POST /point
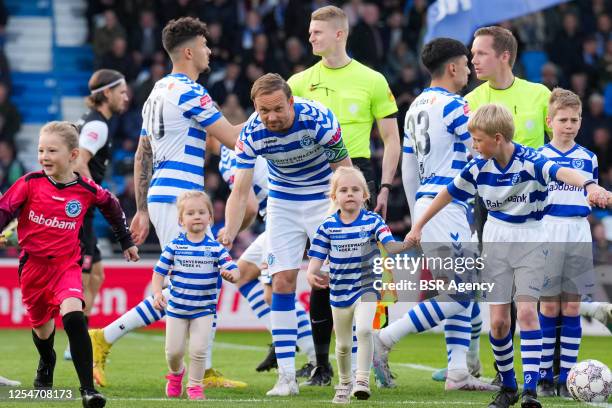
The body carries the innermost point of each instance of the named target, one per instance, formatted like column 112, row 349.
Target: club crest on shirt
column 271, row 259
column 516, row 179
column 307, row 142
column 363, row 233
column 578, row 164
column 73, row 208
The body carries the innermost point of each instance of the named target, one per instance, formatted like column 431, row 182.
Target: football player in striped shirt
column 571, row 270
column 349, row 238
column 254, row 284
column 177, row 117
column 512, row 180
column 436, row 143
column 194, row 261
column 302, row 143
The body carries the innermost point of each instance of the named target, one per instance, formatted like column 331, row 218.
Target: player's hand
column 159, row 302
column 414, row 237
column 381, row 202
column 598, row 196
column 131, row 254
column 230, row 276
column 140, row 227
column 225, row 239
column 317, row 280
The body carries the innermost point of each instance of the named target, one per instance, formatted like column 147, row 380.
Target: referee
column 358, row 96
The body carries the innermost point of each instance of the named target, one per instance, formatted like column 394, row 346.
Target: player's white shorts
column 164, row 217
column 515, row 257
column 570, row 266
column 447, row 234
column 289, row 224
column 256, row 252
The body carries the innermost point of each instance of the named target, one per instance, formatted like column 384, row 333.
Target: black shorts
column 365, row 165
column 89, row 242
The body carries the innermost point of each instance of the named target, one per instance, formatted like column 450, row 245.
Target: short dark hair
column 100, row 78
column 176, row 32
column 437, row 53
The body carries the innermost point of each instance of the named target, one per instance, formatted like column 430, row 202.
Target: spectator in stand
column 10, row 119
column 399, row 57
column 10, row 167
column 142, row 91
column 232, row 83
column 295, row 55
column 120, row 60
column 220, row 45
column 603, row 33
column 605, row 66
column 393, row 31
column 173, row 9
column 250, row 30
column 365, row 43
column 590, row 58
column 565, row 48
column 105, row 35
column 593, row 117
column 262, row 54
column 232, row 110
column 550, row 75
column 602, row 147
column 145, row 39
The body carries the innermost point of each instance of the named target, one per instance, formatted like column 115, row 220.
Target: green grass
column 137, row 367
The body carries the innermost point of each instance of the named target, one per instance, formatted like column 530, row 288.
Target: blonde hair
column 491, row 119
column 331, row 14
column 187, row 195
column 66, row 130
column 335, row 179
column 561, row 99
column 503, row 40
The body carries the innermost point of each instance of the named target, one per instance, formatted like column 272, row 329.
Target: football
column 590, row 381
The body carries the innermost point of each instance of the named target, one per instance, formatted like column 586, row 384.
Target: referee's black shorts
column 89, row 242
column 365, row 165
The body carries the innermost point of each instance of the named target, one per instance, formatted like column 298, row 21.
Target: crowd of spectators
column 249, row 38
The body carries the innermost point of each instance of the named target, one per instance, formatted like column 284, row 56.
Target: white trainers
column 8, row 383
column 460, row 380
column 380, row 363
column 361, row 390
column 343, row 394
column 603, row 313
column 285, row 385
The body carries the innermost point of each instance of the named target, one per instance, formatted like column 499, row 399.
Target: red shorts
column 46, row 282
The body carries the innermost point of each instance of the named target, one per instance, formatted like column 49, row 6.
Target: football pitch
column 137, row 367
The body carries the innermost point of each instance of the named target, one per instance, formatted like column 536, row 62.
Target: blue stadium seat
column 608, row 99
column 532, row 62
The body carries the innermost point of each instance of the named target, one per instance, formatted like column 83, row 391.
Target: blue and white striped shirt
column 174, row 118
column 227, row 168
column 514, row 194
column 565, row 200
column 298, row 162
column 351, row 249
column 194, row 274
column 435, row 131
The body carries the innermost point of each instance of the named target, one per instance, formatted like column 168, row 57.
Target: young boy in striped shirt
column 512, row 180
column 571, row 270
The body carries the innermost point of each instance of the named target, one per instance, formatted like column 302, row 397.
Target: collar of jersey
column 437, row 89
column 62, row 185
column 206, row 237
column 505, row 169
column 337, row 216
column 559, row 152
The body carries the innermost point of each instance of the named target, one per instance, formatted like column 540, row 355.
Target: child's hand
column 131, row 254
column 598, row 196
column 414, row 237
column 159, row 302
column 230, row 276
column 318, row 281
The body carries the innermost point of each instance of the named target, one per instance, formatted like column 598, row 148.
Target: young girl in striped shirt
column 194, row 261
column 348, row 238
